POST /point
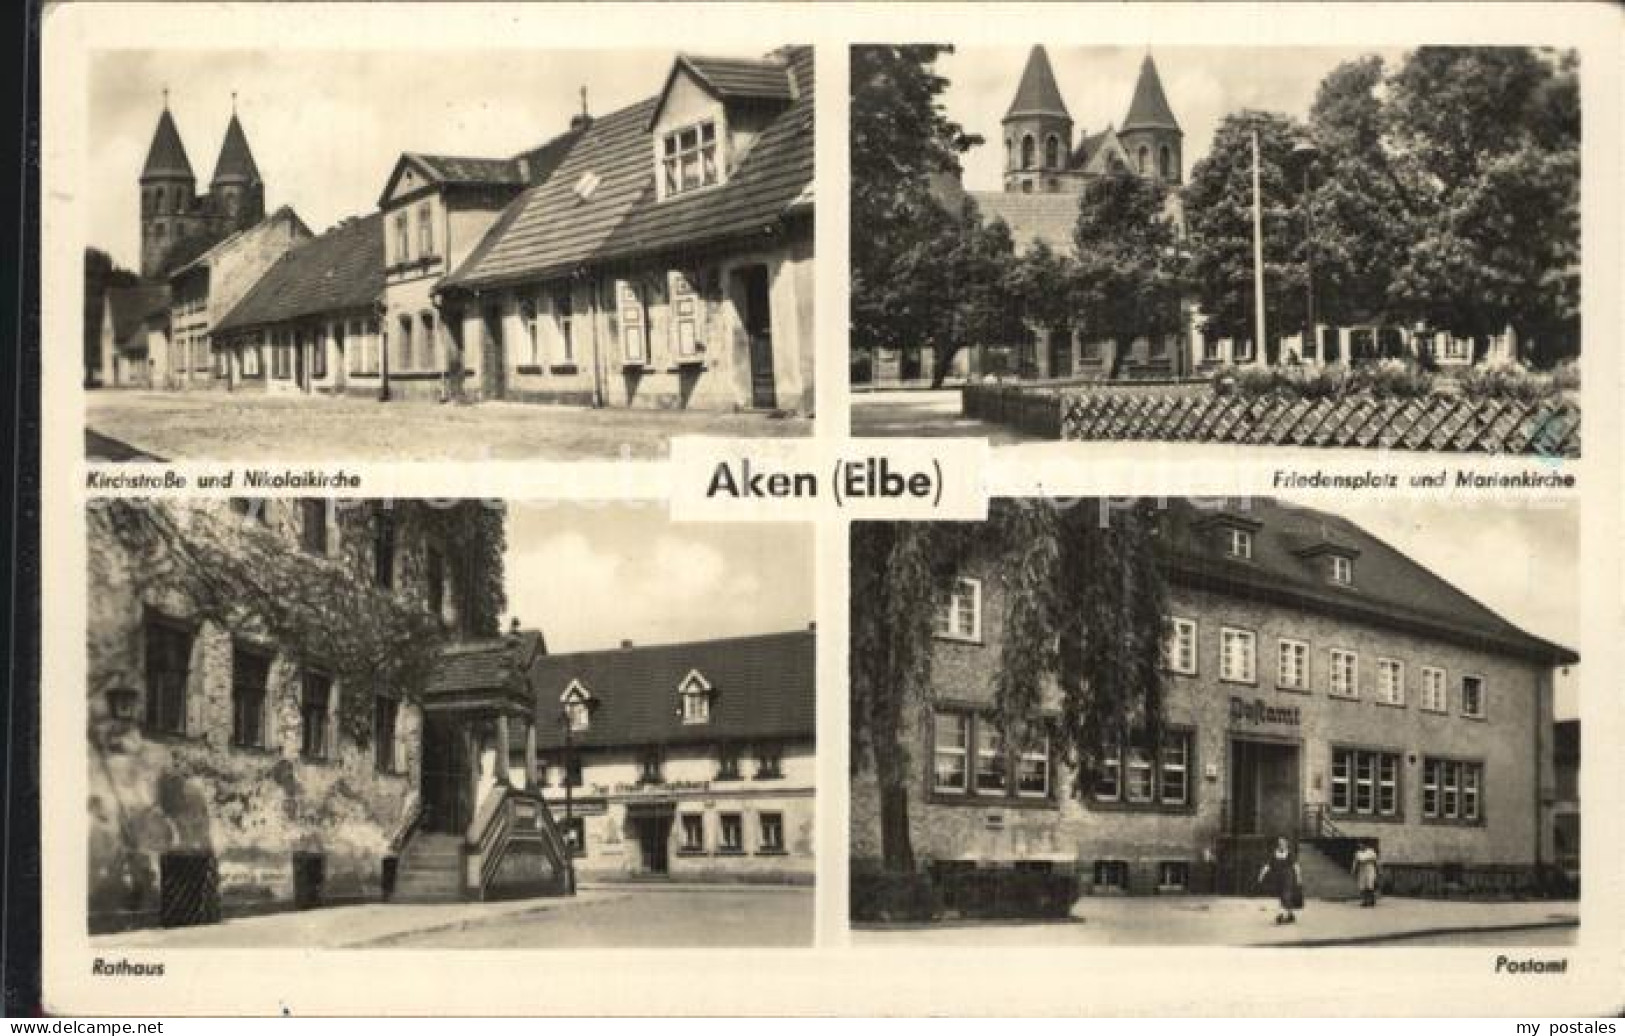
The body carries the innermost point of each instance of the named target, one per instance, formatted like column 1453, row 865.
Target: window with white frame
column 731, row 833
column 949, row 758
column 1342, row 570
column 1433, row 693
column 533, row 338
column 425, row 230
column 403, row 238
column 564, row 316
column 1345, row 674
column 1181, row 647
column 1238, row 655
column 1135, row 775
column 1238, row 543
column 688, row 158
column 1472, row 696
column 1173, row 876
column 1365, row 782
column 991, row 774
column 1452, row 789
column 577, row 707
column 693, row 832
column 770, row 832
column 1032, row 775
column 1390, row 681
column 1292, row 670
column 961, row 615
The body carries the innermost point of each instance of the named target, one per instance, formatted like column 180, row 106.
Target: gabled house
column 205, row 288
column 692, row 761
column 133, row 337
column 665, row 262
column 311, row 323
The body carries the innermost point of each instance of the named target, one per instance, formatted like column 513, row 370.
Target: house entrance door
column 444, row 788
column 1264, row 789
column 756, row 314
column 493, row 358
column 654, row 834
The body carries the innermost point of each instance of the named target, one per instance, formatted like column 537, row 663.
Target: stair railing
column 509, row 816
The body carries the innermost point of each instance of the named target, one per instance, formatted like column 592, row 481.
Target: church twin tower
column 1039, row 155
column 174, row 214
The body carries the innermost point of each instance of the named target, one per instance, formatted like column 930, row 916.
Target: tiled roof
column 461, row 169
column 188, row 249
column 731, row 78
column 482, row 665
column 1032, row 217
column 341, row 270
column 1389, row 588
column 1149, row 109
column 221, row 239
column 550, row 228
column 236, row 162
column 538, row 163
column 763, row 686
column 131, row 306
column 1037, row 93
column 167, row 155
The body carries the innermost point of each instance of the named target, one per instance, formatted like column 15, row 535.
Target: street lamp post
column 569, row 801
column 1258, row 258
column 1305, row 153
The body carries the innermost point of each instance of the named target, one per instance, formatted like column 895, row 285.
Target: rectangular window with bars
column 1433, row 692
column 1292, row 671
column 1472, row 697
column 1365, row 782
column 1138, row 776
column 689, row 158
column 1238, row 661
column 1181, row 648
column 1452, row 789
column 1390, row 681
column 1345, row 674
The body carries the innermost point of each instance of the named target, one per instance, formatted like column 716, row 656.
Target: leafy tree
column 1127, row 278
column 102, row 272
column 1218, row 203
column 1041, row 284
column 925, row 270
column 1491, row 135
column 1085, row 613
column 1360, row 209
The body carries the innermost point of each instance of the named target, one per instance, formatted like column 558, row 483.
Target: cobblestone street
column 198, row 426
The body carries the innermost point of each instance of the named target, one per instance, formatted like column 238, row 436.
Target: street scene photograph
column 1244, row 722
column 549, row 255
column 321, row 723
column 1294, row 250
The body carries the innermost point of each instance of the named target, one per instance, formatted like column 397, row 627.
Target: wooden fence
column 1437, row 423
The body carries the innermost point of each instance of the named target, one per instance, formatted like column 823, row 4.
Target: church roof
column 341, row 270
column 1037, row 94
column 167, row 155
column 1047, row 217
column 1149, row 108
column 236, row 162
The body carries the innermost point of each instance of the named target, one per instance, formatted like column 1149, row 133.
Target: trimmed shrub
column 886, row 896
column 1392, row 379
column 988, row 893
column 1508, row 381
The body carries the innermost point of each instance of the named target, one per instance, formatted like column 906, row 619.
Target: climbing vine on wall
column 327, row 611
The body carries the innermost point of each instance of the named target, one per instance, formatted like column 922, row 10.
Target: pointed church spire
column 236, row 162
column 1149, row 109
column 166, row 158
column 1037, row 94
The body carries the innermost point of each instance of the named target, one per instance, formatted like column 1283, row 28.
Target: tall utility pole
column 1258, row 260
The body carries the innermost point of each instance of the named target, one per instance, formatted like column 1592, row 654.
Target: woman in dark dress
column 1281, row 876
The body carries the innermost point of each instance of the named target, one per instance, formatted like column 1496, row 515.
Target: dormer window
column 576, row 702
column 1239, row 544
column 689, row 158
column 1342, row 570
column 694, row 695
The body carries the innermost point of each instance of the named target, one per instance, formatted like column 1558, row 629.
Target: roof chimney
column 625, row 644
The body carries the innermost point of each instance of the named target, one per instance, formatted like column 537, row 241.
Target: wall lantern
column 122, row 701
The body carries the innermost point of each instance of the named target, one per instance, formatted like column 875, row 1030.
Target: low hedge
column 981, row 893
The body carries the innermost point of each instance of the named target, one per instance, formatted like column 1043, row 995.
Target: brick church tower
column 1037, row 130
column 173, row 212
column 1151, row 135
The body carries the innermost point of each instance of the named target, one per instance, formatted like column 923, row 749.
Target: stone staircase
column 430, row 870
column 1323, row 876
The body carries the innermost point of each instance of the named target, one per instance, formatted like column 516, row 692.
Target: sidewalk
column 346, row 926
column 1225, row 921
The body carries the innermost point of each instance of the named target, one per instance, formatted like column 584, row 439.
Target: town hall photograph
column 321, row 723
column 1212, row 247
column 546, row 254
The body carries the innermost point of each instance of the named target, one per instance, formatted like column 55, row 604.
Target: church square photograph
column 546, row 254
column 377, row 723
column 1239, row 721
column 1083, row 250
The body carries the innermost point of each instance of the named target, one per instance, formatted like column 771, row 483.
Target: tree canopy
column 1128, row 278
column 1082, row 630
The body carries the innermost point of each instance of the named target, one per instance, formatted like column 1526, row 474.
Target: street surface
column 1227, row 921
column 627, row 916
column 208, row 425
